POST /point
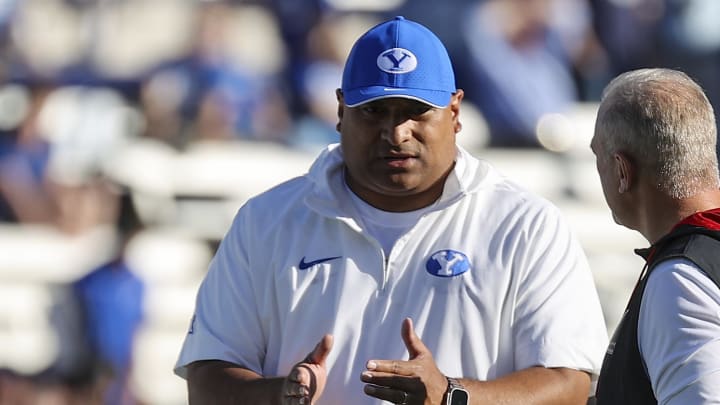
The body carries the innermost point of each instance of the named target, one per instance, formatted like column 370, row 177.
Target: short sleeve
column 225, row 325
column 558, row 318
column 679, row 334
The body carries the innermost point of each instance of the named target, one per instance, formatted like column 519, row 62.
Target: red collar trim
column 709, row 219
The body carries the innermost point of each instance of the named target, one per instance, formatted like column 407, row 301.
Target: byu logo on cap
column 397, row 60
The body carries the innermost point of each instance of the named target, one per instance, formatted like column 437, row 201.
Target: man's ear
column 625, row 172
column 341, row 104
column 455, row 102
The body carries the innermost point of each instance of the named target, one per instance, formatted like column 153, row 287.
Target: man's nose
column 397, row 130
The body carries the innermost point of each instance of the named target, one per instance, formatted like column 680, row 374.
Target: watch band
column 456, row 393
column 454, row 383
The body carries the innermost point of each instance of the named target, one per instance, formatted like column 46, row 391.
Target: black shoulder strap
column 700, row 246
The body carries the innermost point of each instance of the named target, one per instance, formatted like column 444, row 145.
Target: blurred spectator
column 84, row 126
column 111, row 302
column 296, row 19
column 662, row 33
column 53, row 143
column 320, row 73
column 629, row 32
column 675, row 34
column 522, row 57
column 26, row 193
column 227, row 86
column 691, row 43
column 96, row 321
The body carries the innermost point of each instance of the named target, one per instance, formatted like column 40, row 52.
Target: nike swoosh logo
column 306, row 265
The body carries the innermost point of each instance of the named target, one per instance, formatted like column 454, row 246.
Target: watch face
column 458, row 397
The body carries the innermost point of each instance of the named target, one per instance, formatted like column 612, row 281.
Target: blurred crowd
column 80, row 79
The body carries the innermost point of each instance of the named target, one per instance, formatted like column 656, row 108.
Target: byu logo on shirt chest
column 447, row 263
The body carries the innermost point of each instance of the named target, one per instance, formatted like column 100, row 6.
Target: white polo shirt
column 492, row 277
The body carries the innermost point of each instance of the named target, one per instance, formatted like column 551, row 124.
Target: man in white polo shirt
column 417, row 273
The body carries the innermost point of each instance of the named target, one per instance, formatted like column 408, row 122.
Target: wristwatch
column 456, row 394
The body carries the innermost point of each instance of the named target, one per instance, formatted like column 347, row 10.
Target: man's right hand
column 306, row 381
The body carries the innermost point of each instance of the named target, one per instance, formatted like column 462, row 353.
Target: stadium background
column 136, row 128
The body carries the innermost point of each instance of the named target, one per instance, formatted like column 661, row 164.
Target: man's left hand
column 417, row 381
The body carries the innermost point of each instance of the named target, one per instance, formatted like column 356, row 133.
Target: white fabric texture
column 679, row 334
column 386, row 227
column 527, row 299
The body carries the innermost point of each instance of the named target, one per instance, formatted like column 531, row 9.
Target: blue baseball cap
column 398, row 58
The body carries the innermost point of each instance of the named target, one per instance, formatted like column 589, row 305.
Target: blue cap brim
column 435, row 98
